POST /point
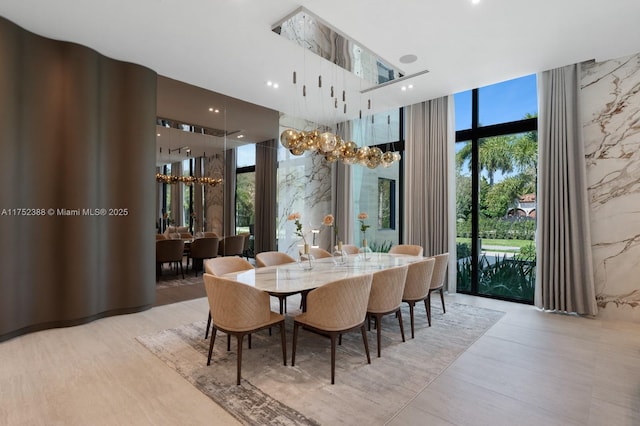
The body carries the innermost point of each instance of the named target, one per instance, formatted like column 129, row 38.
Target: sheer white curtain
column 428, row 135
column 564, row 265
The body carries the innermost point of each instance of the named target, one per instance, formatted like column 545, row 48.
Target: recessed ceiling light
column 475, row 1
column 269, row 83
column 408, row 59
column 210, row 109
column 404, row 88
column 275, row 85
column 157, row 134
column 240, row 136
column 411, row 86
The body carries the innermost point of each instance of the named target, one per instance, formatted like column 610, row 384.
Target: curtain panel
column 266, row 192
column 229, row 209
column 564, row 268
column 426, row 213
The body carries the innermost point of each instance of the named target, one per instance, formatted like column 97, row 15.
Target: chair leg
column 206, row 333
column 366, row 343
column 249, row 341
column 401, row 324
column 378, row 333
column 333, row 358
column 427, row 305
column 444, row 311
column 284, row 343
column 295, row 341
column 411, row 306
column 228, row 342
column 239, row 362
column 213, row 339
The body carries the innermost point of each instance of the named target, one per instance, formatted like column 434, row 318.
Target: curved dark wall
column 77, row 131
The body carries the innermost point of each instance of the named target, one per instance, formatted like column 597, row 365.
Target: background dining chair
column 334, row 309
column 410, row 249
column 350, row 249
column 201, row 249
column 437, row 281
column 386, row 298
column 318, row 253
column 231, row 245
column 211, row 235
column 416, row 287
column 240, row 310
column 161, row 237
column 170, row 251
column 272, row 258
column 220, row 266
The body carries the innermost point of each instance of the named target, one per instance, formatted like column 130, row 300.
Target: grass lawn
column 498, row 242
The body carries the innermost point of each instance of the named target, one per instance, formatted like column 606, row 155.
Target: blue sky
column 498, row 103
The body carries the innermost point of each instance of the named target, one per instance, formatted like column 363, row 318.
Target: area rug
column 274, row 394
column 174, row 280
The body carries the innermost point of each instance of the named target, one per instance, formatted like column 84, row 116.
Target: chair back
column 235, row 306
column 350, row 249
column 231, row 245
column 439, row 270
column 270, row 258
column 169, row 250
column 410, row 249
column 418, row 280
column 245, row 245
column 318, row 253
column 339, row 305
column 186, row 235
column 386, row 289
column 204, row 248
column 210, row 235
column 161, row 237
column 226, row 265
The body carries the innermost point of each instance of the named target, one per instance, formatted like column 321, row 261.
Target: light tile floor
column 530, row 368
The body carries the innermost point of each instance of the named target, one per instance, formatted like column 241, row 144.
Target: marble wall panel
column 304, row 186
column 611, row 116
column 214, row 195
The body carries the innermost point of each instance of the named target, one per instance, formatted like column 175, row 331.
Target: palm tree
column 494, row 155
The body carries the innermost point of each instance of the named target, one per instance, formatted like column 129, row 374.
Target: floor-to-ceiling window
column 245, row 190
column 496, row 169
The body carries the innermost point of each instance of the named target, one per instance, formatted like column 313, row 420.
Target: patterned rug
column 170, row 279
column 271, row 393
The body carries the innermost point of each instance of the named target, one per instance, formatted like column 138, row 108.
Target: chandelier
column 333, row 148
column 187, row 180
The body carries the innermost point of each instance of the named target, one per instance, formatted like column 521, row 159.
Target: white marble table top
column 292, row 278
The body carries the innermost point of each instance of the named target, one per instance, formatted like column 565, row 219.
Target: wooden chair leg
column 284, row 343
column 228, row 342
column 213, row 339
column 333, row 358
column 427, row 305
column 401, row 324
column 295, row 340
column 239, row 362
column 206, row 332
column 411, row 306
column 378, row 333
column 366, row 343
column 444, row 311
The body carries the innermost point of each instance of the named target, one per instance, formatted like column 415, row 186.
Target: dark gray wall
column 77, row 131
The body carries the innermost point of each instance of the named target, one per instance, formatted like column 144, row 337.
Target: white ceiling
column 227, row 46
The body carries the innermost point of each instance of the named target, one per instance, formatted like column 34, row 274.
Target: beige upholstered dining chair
column 220, row 266
column 211, row 235
column 231, row 245
column 318, row 253
column 386, row 298
column 240, row 310
column 410, row 249
column 201, row 249
column 272, row 258
column 437, row 281
column 350, row 249
column 161, row 237
column 169, row 251
column 334, row 309
column 416, row 288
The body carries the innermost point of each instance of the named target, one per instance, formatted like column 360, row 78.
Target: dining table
column 292, row 278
